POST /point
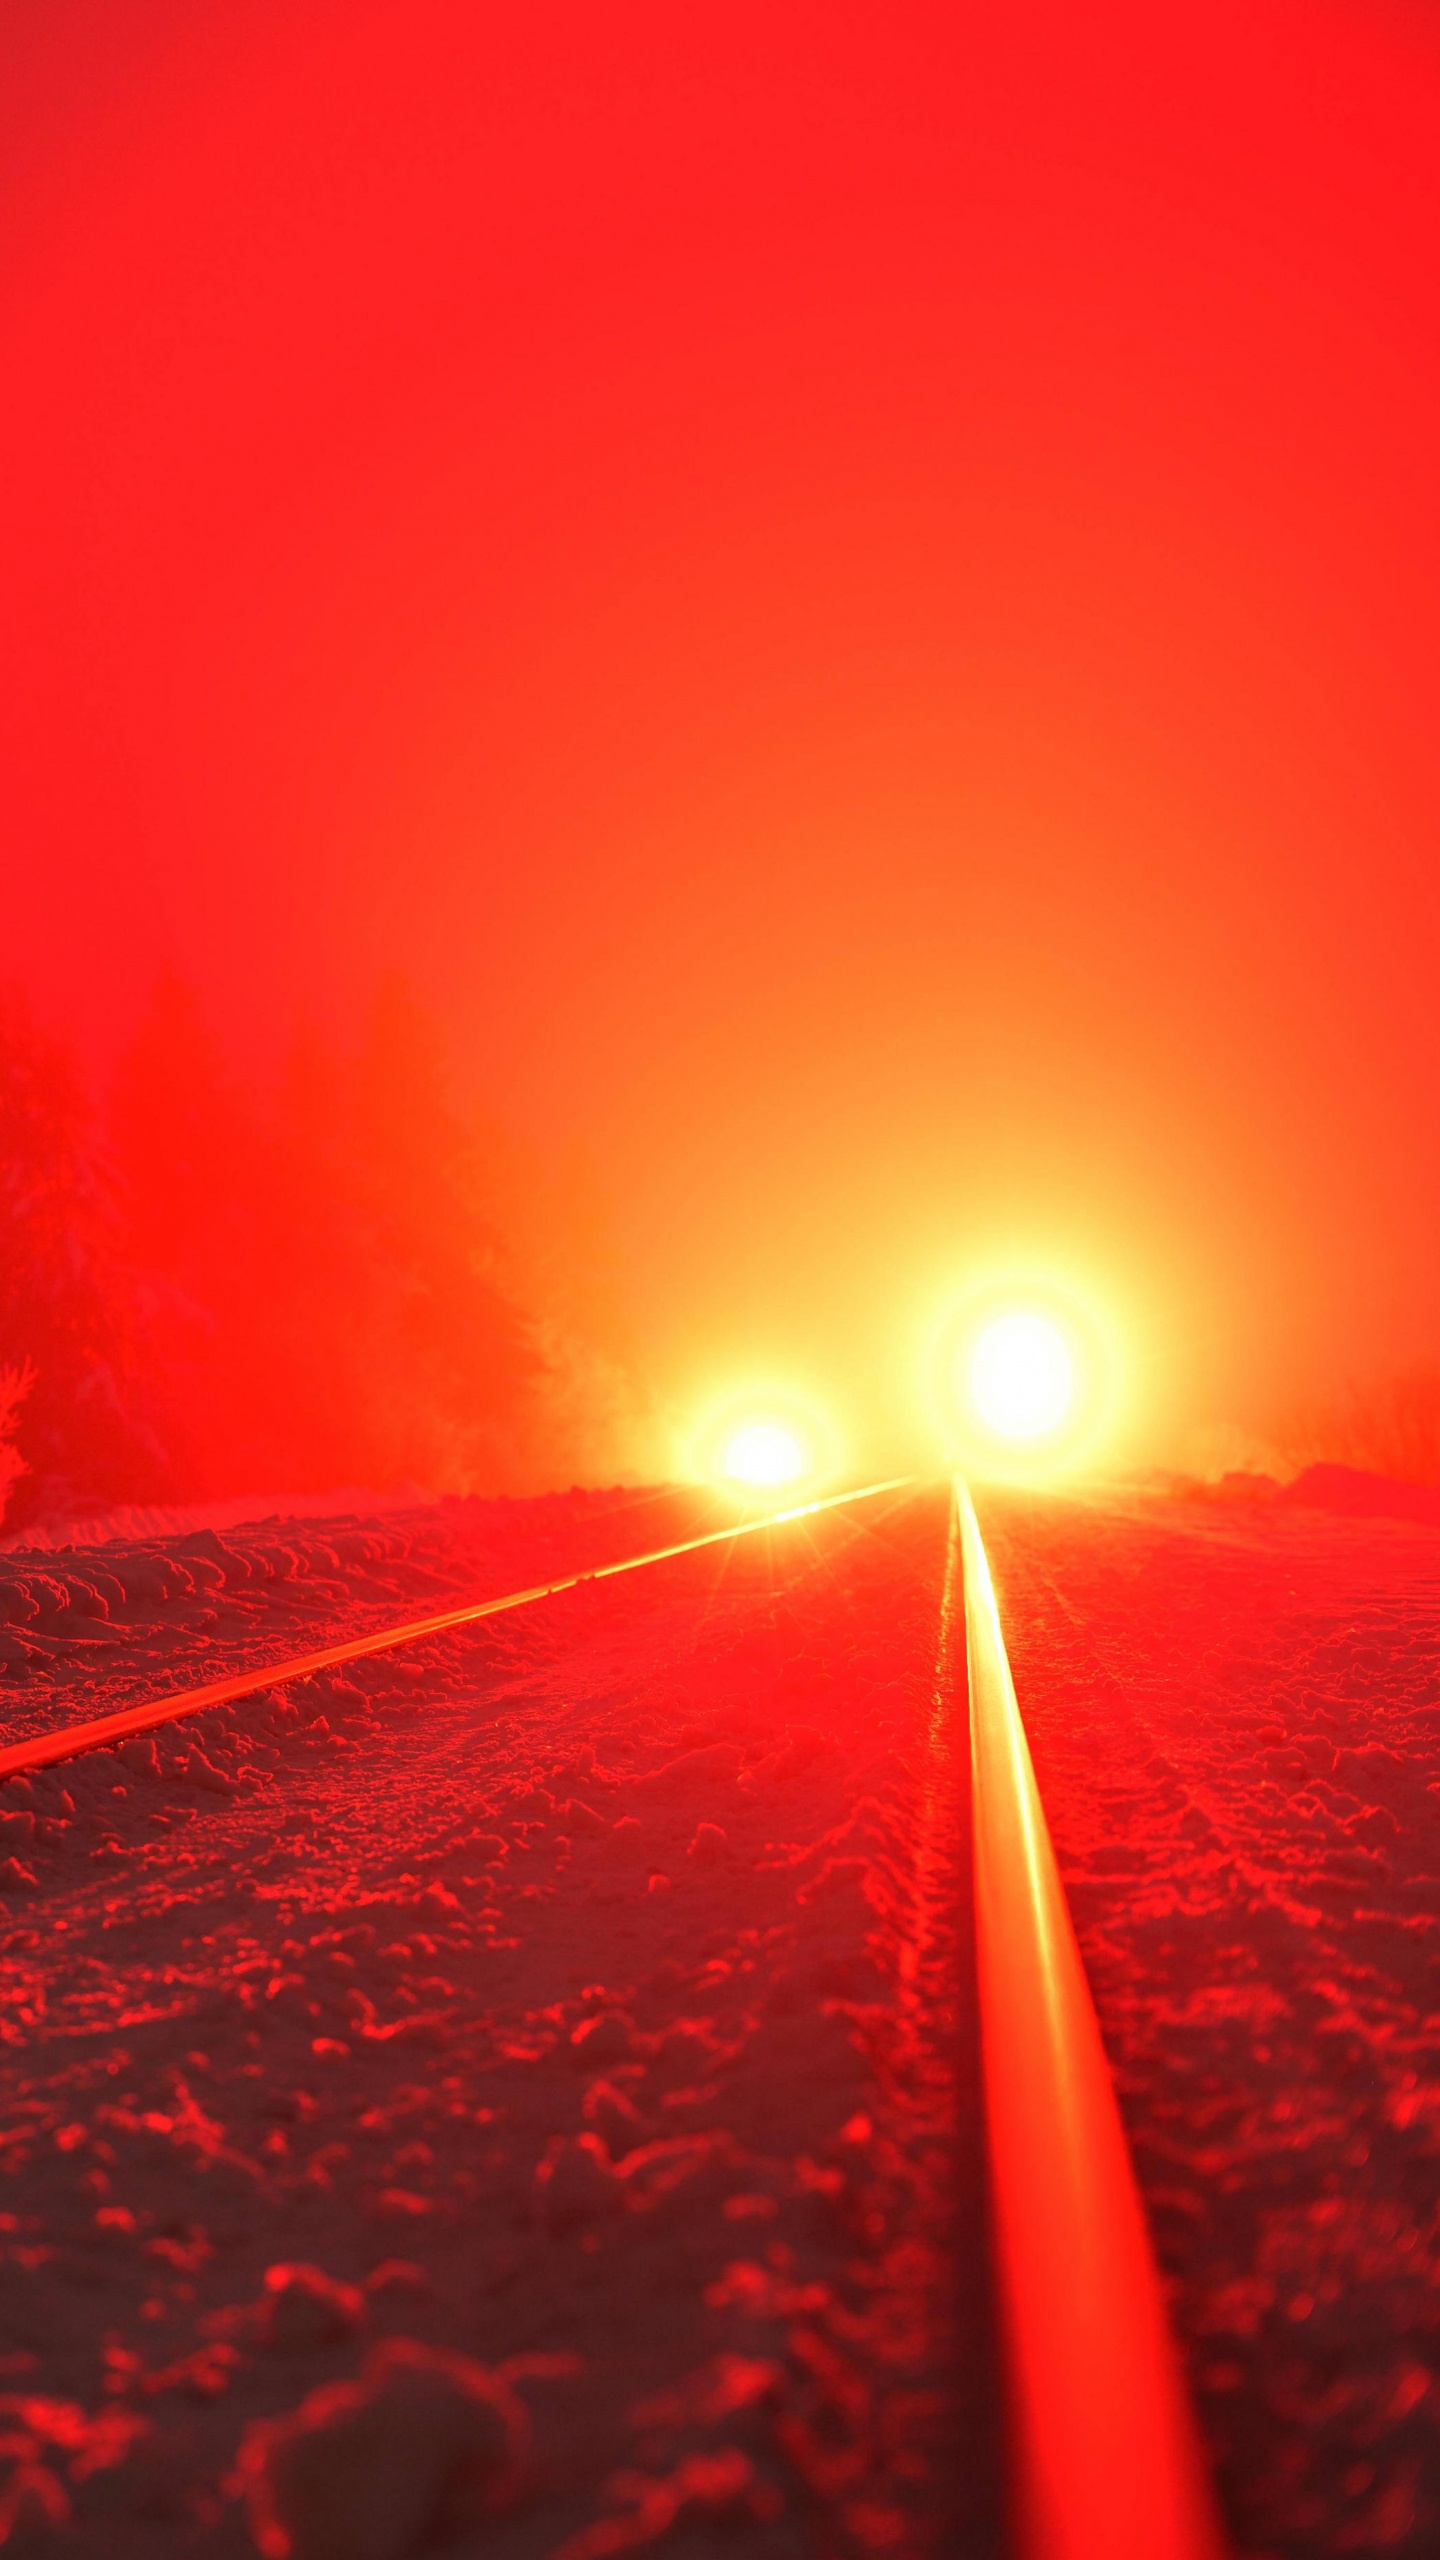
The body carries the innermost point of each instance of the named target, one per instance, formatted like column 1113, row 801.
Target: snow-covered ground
column 551, row 2042
column 134, row 1524
column 1234, row 1711
column 86, row 1630
column 502, row 2098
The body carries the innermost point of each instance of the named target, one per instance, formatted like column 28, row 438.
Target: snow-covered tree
column 68, row 1314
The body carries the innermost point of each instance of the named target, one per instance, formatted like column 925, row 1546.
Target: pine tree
column 15, row 1385
column 184, row 1146
column 69, row 1313
column 331, row 1301
column 456, row 1384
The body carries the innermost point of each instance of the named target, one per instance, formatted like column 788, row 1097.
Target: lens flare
column 764, row 1453
column 1026, row 1367
column 1022, row 1376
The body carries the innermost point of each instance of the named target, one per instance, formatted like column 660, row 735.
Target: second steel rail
column 45, row 1750
column 1104, row 2459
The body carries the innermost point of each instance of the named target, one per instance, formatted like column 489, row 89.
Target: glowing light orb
column 1022, row 1377
column 764, row 1453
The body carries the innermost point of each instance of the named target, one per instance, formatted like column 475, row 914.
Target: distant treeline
column 1388, row 1425
column 345, row 1279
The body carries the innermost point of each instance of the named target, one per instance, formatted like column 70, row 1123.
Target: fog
column 850, row 599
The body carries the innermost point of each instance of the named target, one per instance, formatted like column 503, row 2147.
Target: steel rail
column 1105, row 2457
column 44, row 1750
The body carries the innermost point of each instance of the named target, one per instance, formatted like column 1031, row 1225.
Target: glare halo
column 1022, row 1376
column 761, row 1440
column 764, row 1455
column 1087, row 1310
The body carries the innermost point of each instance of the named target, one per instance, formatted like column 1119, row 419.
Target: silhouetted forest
column 1389, row 1425
column 208, row 1288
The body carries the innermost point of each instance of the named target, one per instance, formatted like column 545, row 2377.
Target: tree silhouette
column 68, row 1313
column 286, row 1292
column 15, row 1385
column 332, row 1302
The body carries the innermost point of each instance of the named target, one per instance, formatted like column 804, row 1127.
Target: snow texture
column 499, row 2099
column 1234, row 1713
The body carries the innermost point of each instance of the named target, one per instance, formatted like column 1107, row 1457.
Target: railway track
column 1103, row 2457
column 49, row 1750
column 1106, row 2457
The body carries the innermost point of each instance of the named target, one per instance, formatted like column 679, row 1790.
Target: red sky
column 852, row 592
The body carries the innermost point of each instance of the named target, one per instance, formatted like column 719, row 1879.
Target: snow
column 91, row 1630
column 530, row 2032
column 1232, row 1711
column 569, row 2018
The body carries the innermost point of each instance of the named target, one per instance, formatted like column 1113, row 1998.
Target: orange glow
column 848, row 594
column 1025, row 1374
column 1022, row 1376
column 761, row 1438
column 765, row 1454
